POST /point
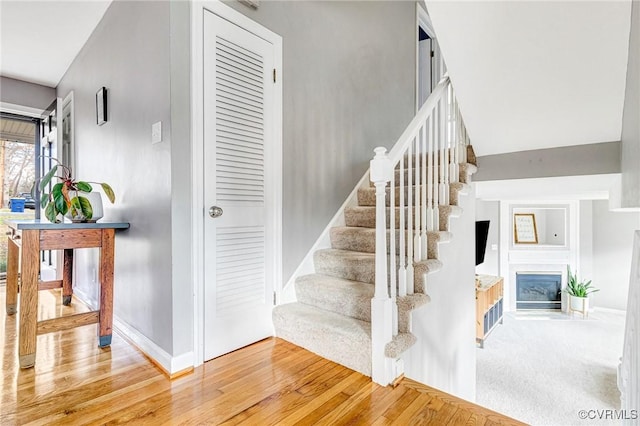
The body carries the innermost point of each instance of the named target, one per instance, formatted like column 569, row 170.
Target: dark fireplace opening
column 538, row 291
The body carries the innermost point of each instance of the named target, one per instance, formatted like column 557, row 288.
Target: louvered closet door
column 238, row 138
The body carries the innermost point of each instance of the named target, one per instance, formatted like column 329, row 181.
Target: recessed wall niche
column 550, row 223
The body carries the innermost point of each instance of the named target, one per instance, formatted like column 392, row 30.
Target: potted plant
column 71, row 197
column 578, row 291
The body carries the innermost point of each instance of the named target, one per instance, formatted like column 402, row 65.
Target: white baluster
column 436, row 167
column 417, row 201
column 423, row 198
column 410, row 220
column 393, row 269
column 453, row 163
column 402, row 229
column 442, row 136
column 430, row 211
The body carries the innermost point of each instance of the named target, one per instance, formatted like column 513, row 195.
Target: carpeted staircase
column 333, row 312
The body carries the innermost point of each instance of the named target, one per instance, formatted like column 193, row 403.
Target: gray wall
column 31, row 95
column 630, row 121
column 181, row 224
column 490, row 210
column 612, row 251
column 590, row 159
column 128, row 53
column 349, row 77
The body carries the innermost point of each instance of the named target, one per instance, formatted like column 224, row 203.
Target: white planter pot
column 95, row 199
column 580, row 304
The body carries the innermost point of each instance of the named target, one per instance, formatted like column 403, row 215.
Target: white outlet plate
column 156, row 132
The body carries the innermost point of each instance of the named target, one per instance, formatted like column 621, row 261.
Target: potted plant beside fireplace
column 578, row 291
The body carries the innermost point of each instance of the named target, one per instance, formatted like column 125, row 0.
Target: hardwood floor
column 270, row 382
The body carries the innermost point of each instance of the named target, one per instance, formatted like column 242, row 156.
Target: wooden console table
column 34, row 236
column 489, row 305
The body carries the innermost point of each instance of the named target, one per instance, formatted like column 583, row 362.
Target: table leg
column 13, row 257
column 29, row 297
column 67, row 277
column 106, row 287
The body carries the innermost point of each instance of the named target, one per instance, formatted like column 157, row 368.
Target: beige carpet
column 543, row 368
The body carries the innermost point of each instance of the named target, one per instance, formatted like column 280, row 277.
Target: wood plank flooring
column 270, row 382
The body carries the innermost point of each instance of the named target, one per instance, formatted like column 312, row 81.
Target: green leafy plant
column 64, row 196
column 577, row 287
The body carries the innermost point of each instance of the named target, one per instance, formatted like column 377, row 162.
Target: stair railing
column 418, row 169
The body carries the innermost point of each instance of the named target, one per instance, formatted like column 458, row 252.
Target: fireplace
column 539, row 290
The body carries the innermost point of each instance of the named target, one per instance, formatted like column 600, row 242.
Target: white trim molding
column 171, row 364
column 21, row 110
column 197, row 151
column 629, row 370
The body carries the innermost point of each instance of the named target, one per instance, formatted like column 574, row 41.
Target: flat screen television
column 482, row 232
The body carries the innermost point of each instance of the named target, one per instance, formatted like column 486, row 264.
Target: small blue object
column 17, row 205
column 104, row 341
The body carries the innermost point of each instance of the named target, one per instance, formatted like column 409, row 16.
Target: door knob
column 215, row 211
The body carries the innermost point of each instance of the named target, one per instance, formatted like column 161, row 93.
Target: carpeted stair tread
column 358, row 266
column 350, row 265
column 457, row 189
column 333, row 312
column 406, row 304
column 345, row 297
column 365, row 216
column 424, row 267
column 364, row 240
column 466, row 170
column 446, row 213
column 367, row 196
column 338, row 338
column 400, row 343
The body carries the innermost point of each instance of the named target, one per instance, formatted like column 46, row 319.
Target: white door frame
column 197, row 153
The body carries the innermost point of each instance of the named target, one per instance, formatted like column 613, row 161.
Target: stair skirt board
column 335, row 284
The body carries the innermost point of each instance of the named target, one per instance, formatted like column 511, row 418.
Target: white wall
column 585, row 243
column 445, row 355
column 612, row 251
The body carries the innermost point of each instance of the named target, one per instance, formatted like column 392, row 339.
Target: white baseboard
column 324, row 241
column 609, row 310
column 171, row 364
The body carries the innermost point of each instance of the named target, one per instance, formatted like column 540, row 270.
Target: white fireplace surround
column 552, row 259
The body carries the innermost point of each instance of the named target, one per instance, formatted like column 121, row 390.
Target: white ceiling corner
column 536, row 74
column 40, row 39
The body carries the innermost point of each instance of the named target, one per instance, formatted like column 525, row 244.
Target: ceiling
column 40, row 39
column 17, row 131
column 536, row 74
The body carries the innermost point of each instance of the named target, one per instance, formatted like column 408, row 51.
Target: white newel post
column 381, row 305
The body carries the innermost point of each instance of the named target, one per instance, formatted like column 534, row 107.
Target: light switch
column 494, row 247
column 156, row 132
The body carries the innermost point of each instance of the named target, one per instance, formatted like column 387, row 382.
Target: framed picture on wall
column 524, row 228
column 101, row 106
